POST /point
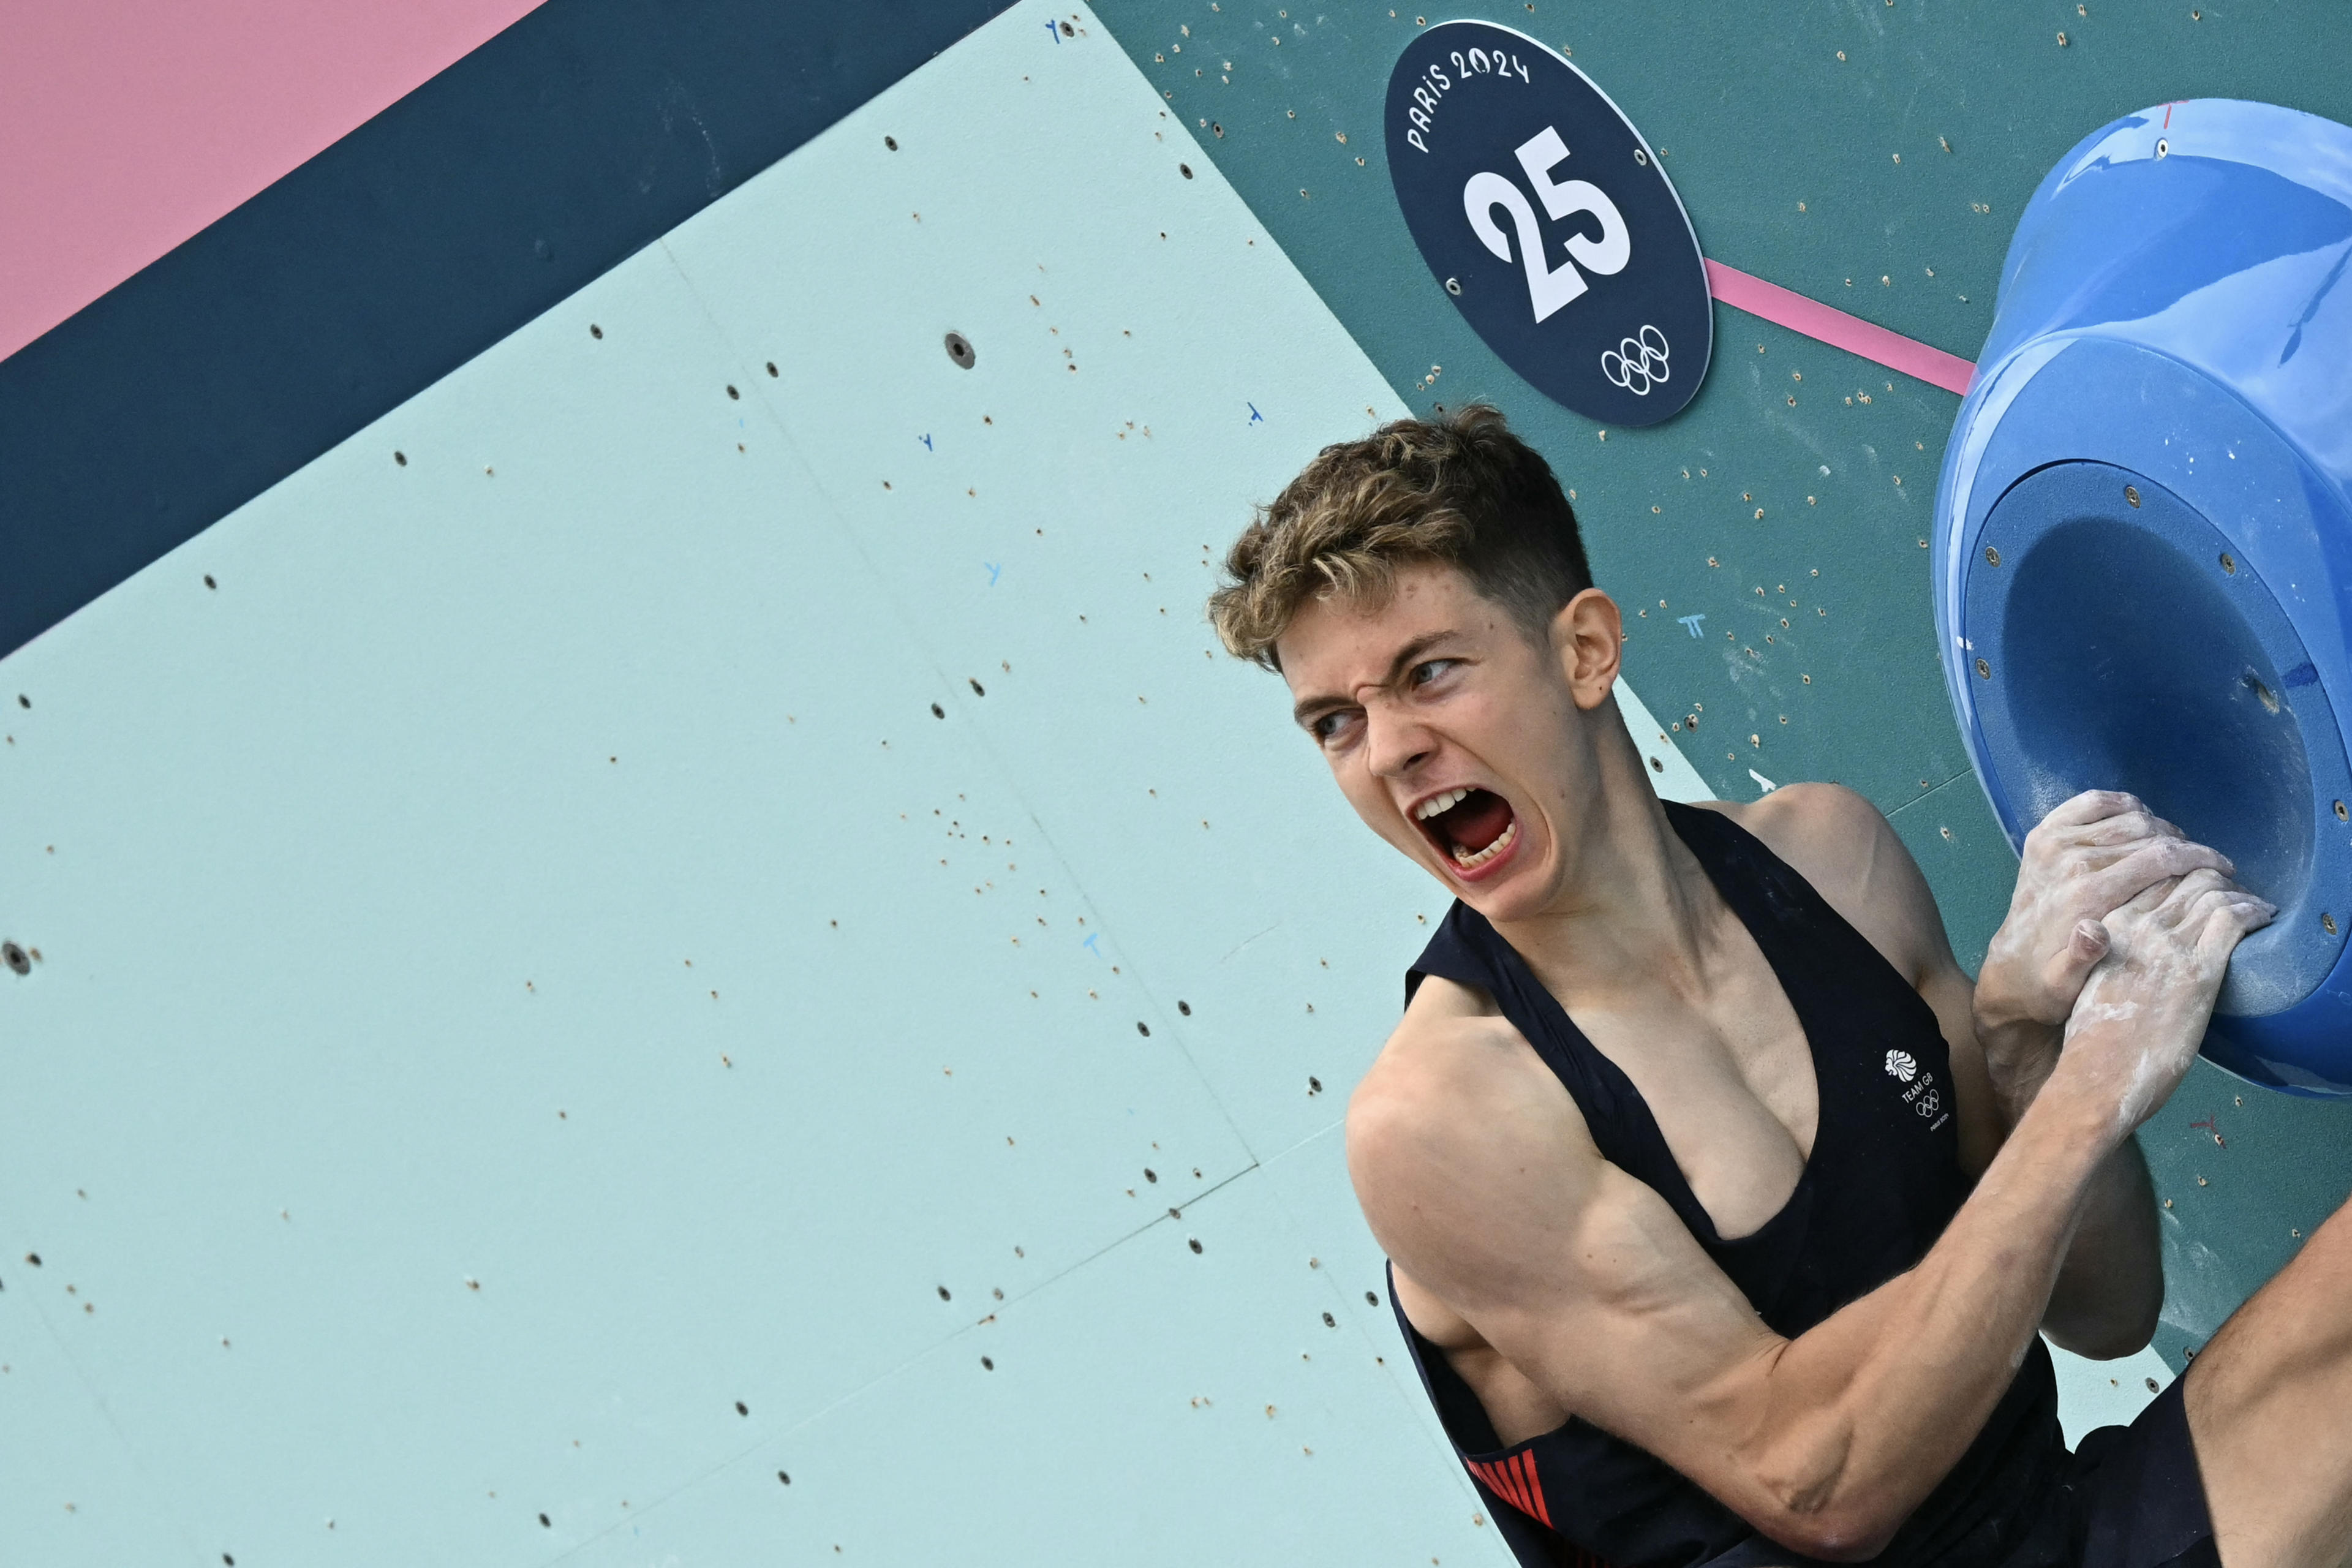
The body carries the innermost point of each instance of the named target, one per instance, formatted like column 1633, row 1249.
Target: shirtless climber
column 1726, row 1214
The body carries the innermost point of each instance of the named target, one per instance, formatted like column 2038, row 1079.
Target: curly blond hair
column 1461, row 490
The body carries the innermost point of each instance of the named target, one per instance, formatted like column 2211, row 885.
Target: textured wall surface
column 706, row 858
column 680, row 950
column 1875, row 157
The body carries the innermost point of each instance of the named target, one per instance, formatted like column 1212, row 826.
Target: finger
column 2082, row 861
column 2144, row 901
column 2228, row 926
column 2220, row 921
column 2194, row 895
column 2090, row 807
column 2160, row 861
column 2065, row 972
column 2248, row 910
column 2124, row 827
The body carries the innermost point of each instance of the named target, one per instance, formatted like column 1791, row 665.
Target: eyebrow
column 1406, row 656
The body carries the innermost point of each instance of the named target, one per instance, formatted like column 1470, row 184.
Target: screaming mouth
column 1471, row 826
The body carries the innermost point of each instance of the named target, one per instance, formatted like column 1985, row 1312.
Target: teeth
column 1469, row 862
column 1444, row 801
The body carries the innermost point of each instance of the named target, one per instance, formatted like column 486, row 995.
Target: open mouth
column 1473, row 826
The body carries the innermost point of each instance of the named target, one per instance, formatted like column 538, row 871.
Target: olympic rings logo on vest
column 1637, row 361
column 1548, row 222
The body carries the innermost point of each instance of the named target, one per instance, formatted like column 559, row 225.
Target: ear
column 1586, row 637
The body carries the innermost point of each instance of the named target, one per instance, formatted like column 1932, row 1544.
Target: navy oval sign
column 1547, row 217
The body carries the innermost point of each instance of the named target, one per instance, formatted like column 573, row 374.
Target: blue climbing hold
column 2143, row 551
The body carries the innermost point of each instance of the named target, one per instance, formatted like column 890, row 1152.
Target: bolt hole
column 1193, row 1242
column 961, row 350
column 2228, row 564
column 16, row 958
column 1992, row 556
column 1186, row 1007
column 937, row 711
column 741, row 1408
column 2327, row 922
column 891, row 142
column 1641, row 157
column 1143, row 1028
column 1453, row 287
column 1984, row 670
column 986, row 1364
column 2131, row 494
column 1185, row 169
column 2163, row 148
column 783, row 1479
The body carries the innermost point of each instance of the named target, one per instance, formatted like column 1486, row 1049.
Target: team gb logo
column 1902, row 1064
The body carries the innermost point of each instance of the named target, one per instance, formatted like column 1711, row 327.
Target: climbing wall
column 682, row 950
column 1873, row 157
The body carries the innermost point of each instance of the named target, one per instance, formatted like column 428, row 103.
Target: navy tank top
column 1884, row 1179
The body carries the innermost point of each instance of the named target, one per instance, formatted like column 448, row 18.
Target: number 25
column 1549, row 288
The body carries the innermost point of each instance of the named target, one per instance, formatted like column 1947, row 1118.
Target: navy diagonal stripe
column 572, row 140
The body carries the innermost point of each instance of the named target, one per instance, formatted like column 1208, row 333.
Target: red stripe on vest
column 1506, row 1484
column 1533, row 1486
column 1486, row 1473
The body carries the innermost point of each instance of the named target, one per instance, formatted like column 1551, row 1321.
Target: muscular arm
column 2110, row 1285
column 1583, row 1280
column 1479, row 1177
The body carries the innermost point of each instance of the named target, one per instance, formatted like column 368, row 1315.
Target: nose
column 1396, row 743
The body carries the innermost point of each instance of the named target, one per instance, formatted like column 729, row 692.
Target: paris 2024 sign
column 1547, row 219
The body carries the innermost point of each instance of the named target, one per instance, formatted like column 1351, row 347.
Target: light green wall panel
column 523, row 968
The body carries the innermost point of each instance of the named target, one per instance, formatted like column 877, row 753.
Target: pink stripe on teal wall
column 128, row 125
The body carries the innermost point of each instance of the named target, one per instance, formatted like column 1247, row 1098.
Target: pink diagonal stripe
column 1785, row 308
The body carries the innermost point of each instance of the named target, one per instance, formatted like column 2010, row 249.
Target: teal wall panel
column 1872, row 156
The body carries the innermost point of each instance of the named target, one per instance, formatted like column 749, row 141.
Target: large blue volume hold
column 2144, row 531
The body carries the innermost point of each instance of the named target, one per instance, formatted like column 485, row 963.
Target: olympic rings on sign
column 1640, row 362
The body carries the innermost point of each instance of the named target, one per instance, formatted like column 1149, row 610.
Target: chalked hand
column 2142, row 1012
column 2089, row 858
